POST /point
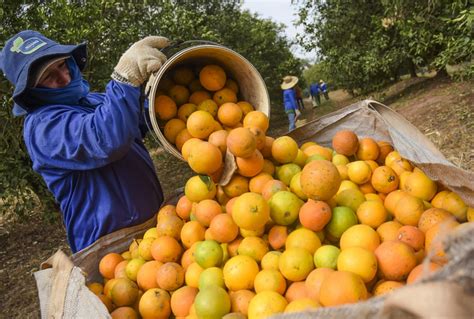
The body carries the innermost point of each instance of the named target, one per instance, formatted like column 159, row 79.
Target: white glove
column 140, row 60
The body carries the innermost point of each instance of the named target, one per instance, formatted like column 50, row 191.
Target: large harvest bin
column 448, row 293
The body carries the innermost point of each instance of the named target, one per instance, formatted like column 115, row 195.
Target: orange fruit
column 165, row 107
column 270, row 260
column 124, row 312
column 245, row 106
column 408, row 210
column 296, row 263
column 256, row 119
column 241, row 142
column 345, row 142
column 260, row 138
column 401, row 165
column 182, row 299
column 359, row 261
column 169, row 226
column 219, row 139
column 284, row 207
column 342, row 219
column 265, row 304
column 257, row 182
column 237, row 186
column 326, row 256
column 108, row 263
column 183, row 208
column 271, row 187
column 251, row 211
column 454, row 204
column 385, row 148
column 301, row 305
column 195, row 85
column 359, row 172
column 146, row 276
column 254, row 247
column 183, row 75
column 166, row 249
column 422, row 270
column 96, row 288
column 206, row 210
column 193, row 272
column 185, row 110
column 372, row 213
column 386, row 286
column 124, row 292
column 433, row 216
column 320, row 180
column 351, row 197
column 240, row 272
column 284, row 149
column 250, row 166
column 286, row 172
column 412, row 236
column 200, row 187
column 267, row 148
column 172, row 129
column 342, row 287
column 181, row 138
column 209, row 106
column 212, row 77
column 395, row 259
column 240, row 300
column 155, row 303
column 199, row 96
column 420, row 185
column 170, row 276
column 229, row 114
column 212, row 302
column 223, row 228
column 200, row 124
column 389, row 230
column 270, row 279
column 188, row 146
column 314, row 215
column 303, row 238
column 434, row 238
column 231, row 84
column 277, row 236
column 225, row 95
column 324, row 152
column 179, row 94
column 268, row 167
column 314, row 280
column 360, row 236
column 192, row 232
column 296, row 291
column 368, row 149
column 392, row 199
column 384, row 179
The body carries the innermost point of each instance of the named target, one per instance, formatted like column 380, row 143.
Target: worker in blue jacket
column 289, row 100
column 314, row 90
column 87, row 146
column 324, row 89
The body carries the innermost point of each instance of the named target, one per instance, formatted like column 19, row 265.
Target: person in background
column 299, row 98
column 324, row 89
column 314, row 90
column 87, row 146
column 289, row 99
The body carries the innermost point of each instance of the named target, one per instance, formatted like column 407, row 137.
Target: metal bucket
column 252, row 88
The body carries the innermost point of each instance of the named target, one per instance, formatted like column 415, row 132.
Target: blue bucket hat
column 27, row 50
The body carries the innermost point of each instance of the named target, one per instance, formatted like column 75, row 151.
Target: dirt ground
column 443, row 110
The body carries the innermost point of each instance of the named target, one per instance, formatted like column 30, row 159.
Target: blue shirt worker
column 314, row 90
column 289, row 99
column 324, row 89
column 87, row 146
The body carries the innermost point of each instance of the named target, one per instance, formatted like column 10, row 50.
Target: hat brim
column 78, row 52
column 289, row 85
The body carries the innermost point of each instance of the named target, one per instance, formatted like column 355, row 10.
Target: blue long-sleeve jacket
column 324, row 87
column 289, row 100
column 314, row 89
column 94, row 162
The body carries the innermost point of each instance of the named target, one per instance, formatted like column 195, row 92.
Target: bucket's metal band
column 178, row 44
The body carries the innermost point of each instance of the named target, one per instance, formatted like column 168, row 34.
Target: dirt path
column 441, row 109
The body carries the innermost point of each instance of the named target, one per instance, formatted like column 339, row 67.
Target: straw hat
column 289, row 81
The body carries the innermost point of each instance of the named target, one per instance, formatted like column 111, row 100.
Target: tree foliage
column 110, row 27
column 366, row 44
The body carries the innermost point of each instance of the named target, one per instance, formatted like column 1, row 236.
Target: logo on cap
column 27, row 47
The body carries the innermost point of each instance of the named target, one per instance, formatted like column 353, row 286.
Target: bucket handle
column 176, row 44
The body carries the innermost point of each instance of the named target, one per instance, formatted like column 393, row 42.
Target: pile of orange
column 202, row 105
column 297, row 227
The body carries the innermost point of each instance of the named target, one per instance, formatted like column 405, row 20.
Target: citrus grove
column 296, row 227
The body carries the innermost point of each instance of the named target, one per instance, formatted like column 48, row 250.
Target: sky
column 279, row 11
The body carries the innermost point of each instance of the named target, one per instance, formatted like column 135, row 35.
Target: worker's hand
column 140, row 60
